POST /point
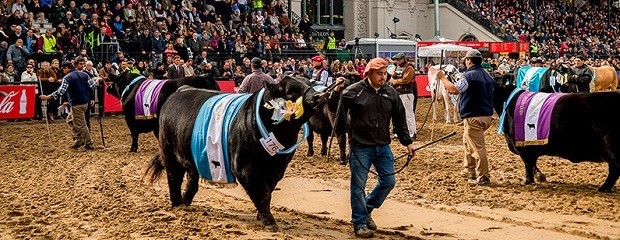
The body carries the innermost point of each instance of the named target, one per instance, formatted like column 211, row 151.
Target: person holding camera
column 403, row 82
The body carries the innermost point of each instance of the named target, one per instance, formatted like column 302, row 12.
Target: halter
column 263, row 131
column 134, row 81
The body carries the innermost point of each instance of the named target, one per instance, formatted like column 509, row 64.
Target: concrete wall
column 365, row 17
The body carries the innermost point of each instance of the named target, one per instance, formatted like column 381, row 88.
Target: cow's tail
column 154, row 169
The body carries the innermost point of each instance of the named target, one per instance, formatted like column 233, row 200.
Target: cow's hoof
column 133, row 150
column 604, row 189
column 310, row 154
column 324, row 153
column 343, row 162
column 528, row 182
column 272, row 228
column 540, row 177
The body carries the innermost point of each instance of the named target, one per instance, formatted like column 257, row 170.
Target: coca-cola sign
column 17, row 101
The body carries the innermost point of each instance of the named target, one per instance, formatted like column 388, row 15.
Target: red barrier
column 423, row 88
column 111, row 104
column 226, row 86
column 17, row 101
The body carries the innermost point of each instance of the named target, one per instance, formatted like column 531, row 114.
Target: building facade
column 363, row 18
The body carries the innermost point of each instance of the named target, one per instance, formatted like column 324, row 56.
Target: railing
column 473, row 15
column 296, row 19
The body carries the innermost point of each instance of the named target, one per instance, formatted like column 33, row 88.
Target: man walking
column 370, row 105
column 76, row 84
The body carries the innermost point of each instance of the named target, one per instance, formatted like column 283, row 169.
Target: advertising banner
column 17, row 101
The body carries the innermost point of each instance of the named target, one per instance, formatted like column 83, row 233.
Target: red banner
column 423, row 88
column 476, row 45
column 111, row 104
column 511, row 47
column 17, row 101
column 524, row 47
column 496, row 47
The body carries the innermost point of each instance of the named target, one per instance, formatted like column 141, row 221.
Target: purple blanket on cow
column 146, row 103
column 532, row 117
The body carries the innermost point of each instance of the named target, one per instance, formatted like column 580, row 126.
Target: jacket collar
column 366, row 83
column 475, row 66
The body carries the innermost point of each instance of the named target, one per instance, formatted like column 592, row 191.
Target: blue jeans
column 382, row 159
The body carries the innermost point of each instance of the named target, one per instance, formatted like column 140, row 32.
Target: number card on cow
column 271, row 144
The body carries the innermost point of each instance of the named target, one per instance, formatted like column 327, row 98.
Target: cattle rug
column 532, row 116
column 209, row 142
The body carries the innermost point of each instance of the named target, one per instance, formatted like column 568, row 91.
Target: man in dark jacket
column 77, row 85
column 369, row 105
column 582, row 76
column 476, row 108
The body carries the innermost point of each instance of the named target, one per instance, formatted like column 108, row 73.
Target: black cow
column 137, row 126
column 322, row 122
column 254, row 168
column 582, row 129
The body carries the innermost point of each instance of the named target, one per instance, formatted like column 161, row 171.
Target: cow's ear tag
column 271, row 144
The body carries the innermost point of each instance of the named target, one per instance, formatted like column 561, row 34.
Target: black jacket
column 369, row 112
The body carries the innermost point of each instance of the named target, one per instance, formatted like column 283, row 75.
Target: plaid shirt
column 64, row 85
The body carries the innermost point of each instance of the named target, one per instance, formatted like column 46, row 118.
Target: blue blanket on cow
column 529, row 78
column 209, row 142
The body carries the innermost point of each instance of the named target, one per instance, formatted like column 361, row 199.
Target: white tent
column 447, row 49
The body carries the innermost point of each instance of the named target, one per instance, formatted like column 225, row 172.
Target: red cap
column 318, row 58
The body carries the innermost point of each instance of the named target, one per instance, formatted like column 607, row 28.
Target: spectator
column 188, row 68
column 254, row 82
column 160, row 71
column 10, row 75
column 17, row 54
column 176, row 70
column 305, row 25
column 29, row 75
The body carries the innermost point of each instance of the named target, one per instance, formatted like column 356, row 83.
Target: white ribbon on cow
column 268, row 140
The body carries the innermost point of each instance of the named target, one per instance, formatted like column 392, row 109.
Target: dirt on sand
column 49, row 191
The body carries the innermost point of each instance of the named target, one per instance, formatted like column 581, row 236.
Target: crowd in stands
column 151, row 34
column 554, row 28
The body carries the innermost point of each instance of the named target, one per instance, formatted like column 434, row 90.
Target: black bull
column 137, row 126
column 324, row 120
column 256, row 170
column 583, row 128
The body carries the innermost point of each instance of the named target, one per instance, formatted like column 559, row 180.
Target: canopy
column 448, row 50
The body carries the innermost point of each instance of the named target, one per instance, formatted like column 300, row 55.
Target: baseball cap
column 473, row 54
